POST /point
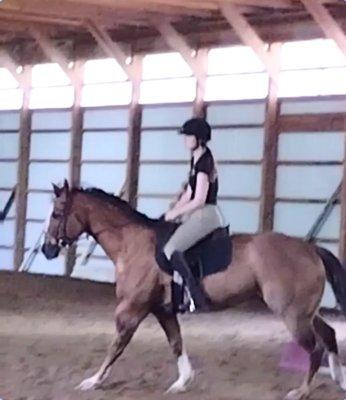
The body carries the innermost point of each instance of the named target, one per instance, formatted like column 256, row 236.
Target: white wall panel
column 6, row 259
column 297, row 218
column 316, row 182
column 237, row 144
column 8, row 174
column 108, row 177
column 48, row 267
column 7, row 233
column 9, row 120
column 176, row 90
column 106, row 118
column 311, row 146
column 41, row 175
column 153, row 207
column 239, row 180
column 105, row 146
column 236, row 87
column 4, row 196
column 163, row 116
column 9, row 145
column 236, row 114
column 51, row 120
column 50, row 146
column 153, row 180
column 163, row 145
column 312, row 106
column 242, row 216
column 39, row 205
column 32, row 233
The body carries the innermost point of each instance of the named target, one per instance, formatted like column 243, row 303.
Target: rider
column 196, row 208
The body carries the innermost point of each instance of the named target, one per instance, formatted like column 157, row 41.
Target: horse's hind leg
column 303, row 332
column 170, row 325
column 127, row 320
column 328, row 337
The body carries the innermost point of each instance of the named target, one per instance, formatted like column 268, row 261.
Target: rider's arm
column 184, row 198
column 202, row 187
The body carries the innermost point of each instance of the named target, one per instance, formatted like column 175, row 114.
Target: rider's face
column 190, row 142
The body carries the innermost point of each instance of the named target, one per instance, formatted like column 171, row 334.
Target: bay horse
column 288, row 273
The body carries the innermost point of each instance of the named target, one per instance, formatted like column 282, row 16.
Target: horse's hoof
column 177, row 387
column 89, row 384
column 181, row 386
column 296, row 394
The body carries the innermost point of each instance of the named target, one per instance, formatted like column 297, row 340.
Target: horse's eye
column 56, row 215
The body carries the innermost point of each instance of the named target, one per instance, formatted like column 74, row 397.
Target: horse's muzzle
column 50, row 250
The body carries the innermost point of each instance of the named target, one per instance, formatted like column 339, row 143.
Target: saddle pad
column 210, row 255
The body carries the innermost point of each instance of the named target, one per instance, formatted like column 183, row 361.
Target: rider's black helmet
column 197, row 127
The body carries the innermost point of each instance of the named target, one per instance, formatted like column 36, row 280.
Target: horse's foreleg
column 127, row 320
column 170, row 325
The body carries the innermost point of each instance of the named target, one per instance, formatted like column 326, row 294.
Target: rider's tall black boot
column 180, row 265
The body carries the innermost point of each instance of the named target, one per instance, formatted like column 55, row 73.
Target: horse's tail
column 336, row 275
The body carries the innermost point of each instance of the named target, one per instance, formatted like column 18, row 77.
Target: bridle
column 63, row 240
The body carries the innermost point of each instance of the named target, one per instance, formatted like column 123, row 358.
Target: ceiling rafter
column 327, row 23
column 249, row 36
column 7, row 62
column 51, row 51
column 111, row 48
column 178, row 43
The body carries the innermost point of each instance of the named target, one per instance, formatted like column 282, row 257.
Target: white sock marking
column 336, row 370
column 186, row 374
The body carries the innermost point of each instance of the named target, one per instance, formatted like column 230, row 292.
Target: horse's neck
column 114, row 231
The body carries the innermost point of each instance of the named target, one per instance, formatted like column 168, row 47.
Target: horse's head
column 64, row 226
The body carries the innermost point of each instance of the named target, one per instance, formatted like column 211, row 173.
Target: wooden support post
column 271, row 139
column 342, row 244
column 76, row 147
column 23, row 170
column 199, row 107
column 134, row 135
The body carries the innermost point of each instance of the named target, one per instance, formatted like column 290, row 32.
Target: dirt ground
column 54, row 332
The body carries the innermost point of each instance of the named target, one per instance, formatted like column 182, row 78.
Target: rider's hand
column 170, row 215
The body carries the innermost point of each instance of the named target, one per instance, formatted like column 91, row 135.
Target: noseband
column 63, row 240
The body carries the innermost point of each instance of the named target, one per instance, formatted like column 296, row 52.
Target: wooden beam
column 342, row 243
column 23, row 170
column 249, row 36
column 326, row 22
column 76, row 148
column 111, row 48
column 169, row 4
column 312, row 122
column 134, row 136
column 52, row 53
column 36, row 17
column 271, row 139
column 178, row 43
column 7, row 62
column 199, row 106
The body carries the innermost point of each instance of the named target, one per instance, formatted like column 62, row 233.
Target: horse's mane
column 121, row 204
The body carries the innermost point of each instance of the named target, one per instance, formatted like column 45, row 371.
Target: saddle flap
column 211, row 254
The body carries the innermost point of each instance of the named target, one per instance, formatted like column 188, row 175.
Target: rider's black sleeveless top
column 205, row 164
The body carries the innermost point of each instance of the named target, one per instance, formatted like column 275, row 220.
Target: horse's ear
column 65, row 190
column 66, row 185
column 56, row 189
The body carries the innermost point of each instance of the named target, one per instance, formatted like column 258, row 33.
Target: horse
column 287, row 273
